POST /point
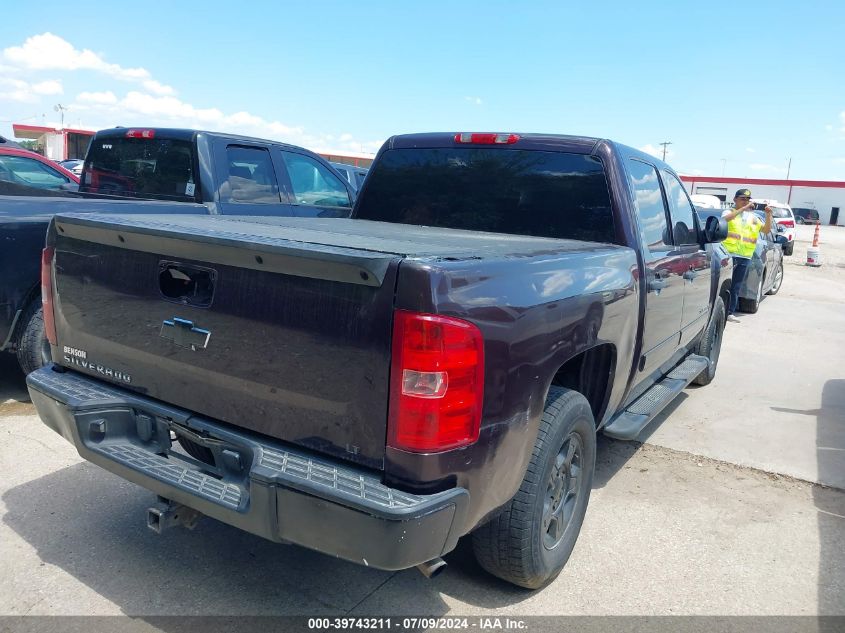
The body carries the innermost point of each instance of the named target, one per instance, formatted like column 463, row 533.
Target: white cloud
column 106, row 97
column 50, row 87
column 51, row 52
column 170, row 107
column 829, row 128
column 656, row 151
column 750, row 150
column 16, row 90
column 160, row 89
column 474, row 100
column 25, row 92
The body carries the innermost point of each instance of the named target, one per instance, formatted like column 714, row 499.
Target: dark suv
column 806, row 216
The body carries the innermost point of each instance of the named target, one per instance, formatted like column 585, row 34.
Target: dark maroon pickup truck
column 377, row 387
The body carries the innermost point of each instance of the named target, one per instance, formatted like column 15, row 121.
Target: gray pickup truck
column 376, row 388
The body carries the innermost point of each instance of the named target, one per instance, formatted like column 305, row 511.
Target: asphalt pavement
column 718, row 511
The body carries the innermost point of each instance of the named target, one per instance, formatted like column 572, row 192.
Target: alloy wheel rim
column 562, row 490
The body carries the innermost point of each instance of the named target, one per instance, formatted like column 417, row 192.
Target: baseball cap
column 742, row 192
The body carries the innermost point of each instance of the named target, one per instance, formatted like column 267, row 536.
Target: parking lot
column 731, row 503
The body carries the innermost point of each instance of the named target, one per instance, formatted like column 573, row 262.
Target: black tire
column 710, row 345
column 778, row 280
column 788, row 249
column 529, row 542
column 752, row 305
column 33, row 349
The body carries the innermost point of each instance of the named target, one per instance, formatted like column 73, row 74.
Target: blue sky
column 751, row 83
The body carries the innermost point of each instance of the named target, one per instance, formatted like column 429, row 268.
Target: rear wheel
column 752, row 305
column 710, row 345
column 778, row 280
column 529, row 542
column 33, row 348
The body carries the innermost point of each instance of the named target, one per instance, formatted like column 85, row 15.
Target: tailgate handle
column 186, row 284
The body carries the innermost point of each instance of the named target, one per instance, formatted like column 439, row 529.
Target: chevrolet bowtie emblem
column 184, row 334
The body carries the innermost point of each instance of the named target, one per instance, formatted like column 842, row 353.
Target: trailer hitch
column 167, row 514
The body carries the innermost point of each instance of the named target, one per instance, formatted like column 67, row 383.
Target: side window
column 681, row 210
column 651, row 210
column 251, row 177
column 313, row 184
column 359, row 176
column 30, row 172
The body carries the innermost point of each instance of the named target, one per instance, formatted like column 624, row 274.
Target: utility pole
column 61, row 109
column 665, row 144
column 789, row 167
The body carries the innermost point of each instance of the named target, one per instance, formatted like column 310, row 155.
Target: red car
column 22, row 167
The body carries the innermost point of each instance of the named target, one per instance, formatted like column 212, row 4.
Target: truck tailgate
column 257, row 325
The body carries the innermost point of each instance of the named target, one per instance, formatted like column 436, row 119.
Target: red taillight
column 436, row 383
column 47, row 294
column 140, row 133
column 486, row 139
column 789, row 223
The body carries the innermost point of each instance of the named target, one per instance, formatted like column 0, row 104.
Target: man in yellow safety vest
column 743, row 230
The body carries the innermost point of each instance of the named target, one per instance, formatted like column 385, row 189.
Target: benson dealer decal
column 79, row 357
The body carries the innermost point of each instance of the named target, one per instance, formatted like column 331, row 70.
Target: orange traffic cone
column 814, row 256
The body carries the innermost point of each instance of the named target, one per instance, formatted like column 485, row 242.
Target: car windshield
column 158, row 168
column 545, row 194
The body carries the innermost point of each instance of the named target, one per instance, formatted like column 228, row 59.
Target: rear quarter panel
column 535, row 313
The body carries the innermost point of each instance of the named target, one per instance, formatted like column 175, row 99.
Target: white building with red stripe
column 825, row 196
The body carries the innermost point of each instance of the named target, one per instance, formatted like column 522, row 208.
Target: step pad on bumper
column 163, row 469
column 322, row 474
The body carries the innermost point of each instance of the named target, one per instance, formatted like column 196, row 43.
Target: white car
column 74, row 165
column 706, row 201
column 783, row 216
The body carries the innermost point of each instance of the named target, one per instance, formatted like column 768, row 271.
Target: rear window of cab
column 519, row 192
column 155, row 168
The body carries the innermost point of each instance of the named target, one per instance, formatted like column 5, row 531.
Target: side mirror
column 715, row 230
column 782, row 240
